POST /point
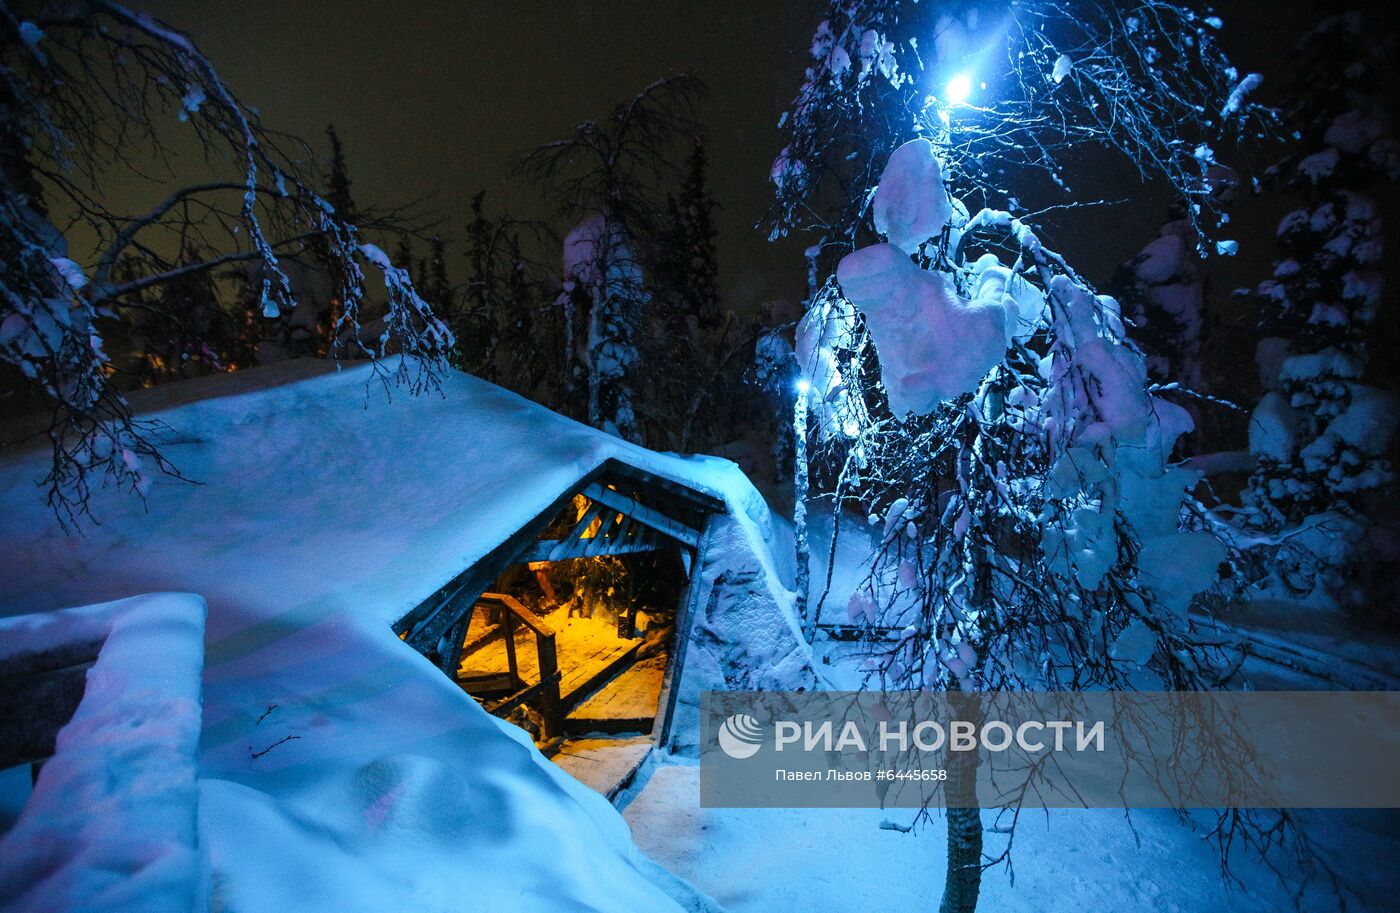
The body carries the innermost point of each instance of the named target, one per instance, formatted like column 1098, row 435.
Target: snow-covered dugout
column 343, row 540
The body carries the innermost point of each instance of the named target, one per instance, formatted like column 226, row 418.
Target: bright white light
column 803, row 386
column 959, row 89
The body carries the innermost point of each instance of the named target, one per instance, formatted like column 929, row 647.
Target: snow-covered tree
column 1163, row 290
column 602, row 263
column 612, row 177
column 89, row 94
column 1322, row 431
column 983, row 405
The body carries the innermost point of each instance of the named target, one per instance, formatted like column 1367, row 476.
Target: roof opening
column 575, row 629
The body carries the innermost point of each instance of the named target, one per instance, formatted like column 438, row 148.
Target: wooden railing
column 543, row 695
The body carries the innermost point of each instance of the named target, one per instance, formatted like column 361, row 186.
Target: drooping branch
column 89, row 94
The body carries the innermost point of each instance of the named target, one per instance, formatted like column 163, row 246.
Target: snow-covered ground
column 1064, row 859
column 1089, row 860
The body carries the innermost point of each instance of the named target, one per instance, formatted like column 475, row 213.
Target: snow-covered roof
column 352, row 499
column 324, row 511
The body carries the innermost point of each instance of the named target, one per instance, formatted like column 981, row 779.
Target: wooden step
column 606, row 765
column 576, row 726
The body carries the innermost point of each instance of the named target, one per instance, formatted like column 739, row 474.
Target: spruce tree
column 699, row 277
column 1321, row 433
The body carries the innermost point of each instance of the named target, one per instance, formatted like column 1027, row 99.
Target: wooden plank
column 634, row 694
column 483, row 684
column 585, row 678
column 643, row 514
column 576, row 726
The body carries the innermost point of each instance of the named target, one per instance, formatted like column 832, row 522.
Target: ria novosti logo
column 740, row 736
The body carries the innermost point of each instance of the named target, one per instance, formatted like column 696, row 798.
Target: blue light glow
column 959, row 89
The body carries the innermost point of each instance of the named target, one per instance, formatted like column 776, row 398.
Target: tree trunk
column 799, row 513
column 964, row 875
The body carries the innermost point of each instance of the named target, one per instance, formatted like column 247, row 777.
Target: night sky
column 434, row 99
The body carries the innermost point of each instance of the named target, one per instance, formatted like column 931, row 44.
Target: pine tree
column 688, row 338
column 403, row 254
column 1321, row 433
column 475, row 322
column 1164, row 290
column 1161, row 289
column 436, row 287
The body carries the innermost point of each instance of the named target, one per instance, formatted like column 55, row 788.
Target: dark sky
column 432, row 100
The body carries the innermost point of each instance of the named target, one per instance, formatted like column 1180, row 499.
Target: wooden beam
column 450, row 658
column 511, row 604
column 698, row 500
column 642, row 514
column 550, row 706
column 680, row 638
column 508, row 622
column 593, row 546
column 524, row 695
column 642, row 542
column 572, row 543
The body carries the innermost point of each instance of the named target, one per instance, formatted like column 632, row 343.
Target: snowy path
column 840, row 859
